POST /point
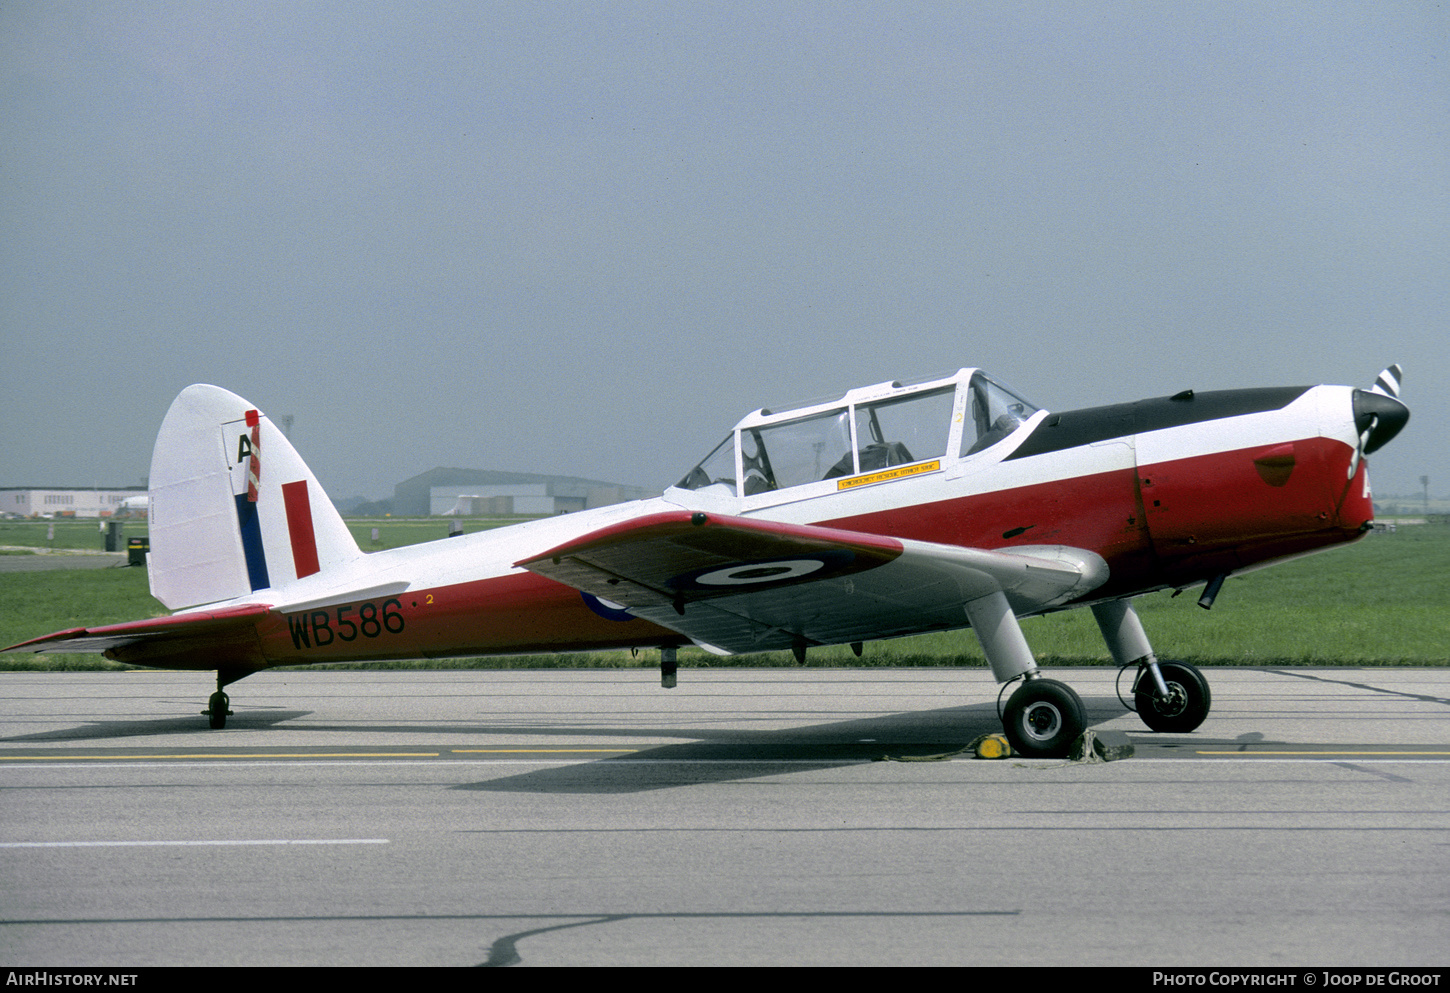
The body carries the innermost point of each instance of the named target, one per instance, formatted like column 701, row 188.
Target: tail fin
column 234, row 509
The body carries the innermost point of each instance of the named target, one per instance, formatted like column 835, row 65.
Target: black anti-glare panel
column 1083, row 427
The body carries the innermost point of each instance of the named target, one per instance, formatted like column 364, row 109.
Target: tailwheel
column 217, row 711
column 1043, row 718
column 1187, row 703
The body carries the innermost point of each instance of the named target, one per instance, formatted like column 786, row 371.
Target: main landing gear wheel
column 217, row 710
column 1043, row 718
column 1188, row 699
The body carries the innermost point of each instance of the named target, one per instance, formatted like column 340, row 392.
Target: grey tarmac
column 749, row 817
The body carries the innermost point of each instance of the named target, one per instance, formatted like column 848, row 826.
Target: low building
column 58, row 502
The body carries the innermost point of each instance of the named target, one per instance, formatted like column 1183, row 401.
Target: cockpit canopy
column 868, row 429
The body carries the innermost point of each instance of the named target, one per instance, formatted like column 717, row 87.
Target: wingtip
column 45, row 639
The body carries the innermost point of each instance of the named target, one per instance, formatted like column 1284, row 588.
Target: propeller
column 1379, row 414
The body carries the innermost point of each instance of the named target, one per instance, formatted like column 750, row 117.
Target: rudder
column 233, row 508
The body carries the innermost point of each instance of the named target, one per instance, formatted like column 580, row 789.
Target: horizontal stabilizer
column 217, row 637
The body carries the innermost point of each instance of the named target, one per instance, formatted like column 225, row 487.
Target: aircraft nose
column 1382, row 416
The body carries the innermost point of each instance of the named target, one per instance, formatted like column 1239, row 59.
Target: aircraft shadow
column 702, row 756
column 254, row 720
column 723, row 756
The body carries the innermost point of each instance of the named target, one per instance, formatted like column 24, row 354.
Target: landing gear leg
column 1043, row 717
column 1170, row 696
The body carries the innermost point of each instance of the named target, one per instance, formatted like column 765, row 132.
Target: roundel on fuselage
column 607, row 609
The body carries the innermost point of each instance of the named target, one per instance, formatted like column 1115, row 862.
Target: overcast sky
column 585, row 238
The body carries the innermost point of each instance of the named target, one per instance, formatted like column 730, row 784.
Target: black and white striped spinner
column 1388, row 382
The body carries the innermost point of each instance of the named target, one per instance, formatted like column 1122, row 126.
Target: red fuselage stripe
column 1204, row 515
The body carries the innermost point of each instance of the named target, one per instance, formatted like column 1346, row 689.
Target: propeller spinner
column 1379, row 414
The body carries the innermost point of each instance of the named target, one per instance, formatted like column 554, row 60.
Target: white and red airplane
column 891, row 510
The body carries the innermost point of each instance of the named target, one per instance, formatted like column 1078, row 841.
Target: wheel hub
column 1174, row 703
column 1041, row 721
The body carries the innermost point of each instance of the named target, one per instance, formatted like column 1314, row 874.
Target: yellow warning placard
column 897, row 472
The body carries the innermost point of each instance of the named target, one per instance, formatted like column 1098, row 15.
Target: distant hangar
column 437, row 493
column 470, row 492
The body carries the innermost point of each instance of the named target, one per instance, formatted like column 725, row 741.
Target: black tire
column 1188, row 703
column 217, row 714
column 1043, row 718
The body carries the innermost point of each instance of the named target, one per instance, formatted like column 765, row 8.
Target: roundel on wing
column 760, row 572
column 744, row 575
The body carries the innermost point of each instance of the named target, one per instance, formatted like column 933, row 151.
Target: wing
column 736, row 584
column 196, row 640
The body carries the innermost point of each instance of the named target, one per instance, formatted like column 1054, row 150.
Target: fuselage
column 1170, row 492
